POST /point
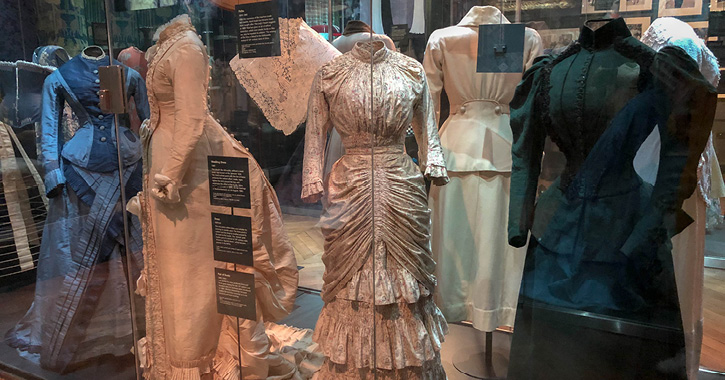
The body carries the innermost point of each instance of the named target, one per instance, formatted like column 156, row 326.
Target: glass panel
column 369, row 200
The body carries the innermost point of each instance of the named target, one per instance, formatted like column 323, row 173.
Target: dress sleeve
column 188, row 70
column 51, row 141
column 687, row 117
column 425, row 128
column 318, row 124
column 526, row 153
column 433, row 66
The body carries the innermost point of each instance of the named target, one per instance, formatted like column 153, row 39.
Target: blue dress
column 81, row 306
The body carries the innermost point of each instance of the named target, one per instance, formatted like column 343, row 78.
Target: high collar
column 604, row 36
column 367, row 51
column 356, row 26
column 483, row 15
column 177, row 25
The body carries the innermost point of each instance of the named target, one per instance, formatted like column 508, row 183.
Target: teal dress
column 599, row 235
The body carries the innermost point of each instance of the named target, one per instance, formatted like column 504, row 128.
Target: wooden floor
column 713, row 342
column 307, row 240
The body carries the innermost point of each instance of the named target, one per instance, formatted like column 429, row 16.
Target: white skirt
column 478, row 273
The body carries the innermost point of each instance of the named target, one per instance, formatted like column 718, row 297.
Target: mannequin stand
column 486, row 364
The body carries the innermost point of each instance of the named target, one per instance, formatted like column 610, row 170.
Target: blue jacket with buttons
column 93, row 146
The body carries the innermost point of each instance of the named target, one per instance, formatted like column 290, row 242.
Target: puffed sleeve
column 433, row 66
column 526, row 153
column 188, row 70
column 51, row 141
column 690, row 110
column 318, row 124
column 425, row 128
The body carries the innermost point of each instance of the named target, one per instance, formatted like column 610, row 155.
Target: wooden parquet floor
column 308, row 243
column 713, row 341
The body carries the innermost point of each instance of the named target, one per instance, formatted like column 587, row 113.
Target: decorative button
column 95, row 71
column 462, row 110
column 102, row 127
column 100, row 117
column 98, row 93
column 97, row 81
column 103, row 139
column 497, row 110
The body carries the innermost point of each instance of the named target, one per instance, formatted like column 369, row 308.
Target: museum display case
column 361, row 189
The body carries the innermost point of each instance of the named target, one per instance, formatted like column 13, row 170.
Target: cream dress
column 481, row 272
column 379, row 320
column 186, row 337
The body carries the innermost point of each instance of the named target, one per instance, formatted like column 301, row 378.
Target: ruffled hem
column 437, row 173
column 430, row 370
column 312, row 189
column 405, row 335
column 392, row 285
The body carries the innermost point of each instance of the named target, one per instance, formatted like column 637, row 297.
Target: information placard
column 229, row 181
column 500, row 48
column 232, row 239
column 258, row 26
column 235, row 293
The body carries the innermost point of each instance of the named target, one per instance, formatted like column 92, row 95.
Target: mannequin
column 378, row 280
column 482, row 272
column 80, row 257
column 135, row 59
column 599, row 236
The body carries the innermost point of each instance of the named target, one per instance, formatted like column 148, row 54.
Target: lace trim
column 280, row 86
column 176, row 26
column 437, row 171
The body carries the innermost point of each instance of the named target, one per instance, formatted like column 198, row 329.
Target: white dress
column 480, row 273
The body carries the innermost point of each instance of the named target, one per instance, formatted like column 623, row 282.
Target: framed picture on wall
column 555, row 40
column 637, row 25
column 717, row 5
column 680, row 7
column 700, row 28
column 635, row 5
column 599, row 6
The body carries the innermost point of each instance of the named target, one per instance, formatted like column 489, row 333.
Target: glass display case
column 361, row 189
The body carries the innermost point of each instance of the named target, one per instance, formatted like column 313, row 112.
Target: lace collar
column 91, row 57
column 370, row 50
column 604, row 36
column 177, row 25
column 483, row 16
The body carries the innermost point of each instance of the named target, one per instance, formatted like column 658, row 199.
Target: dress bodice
column 589, row 86
column 370, row 95
column 598, row 101
column 367, row 110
